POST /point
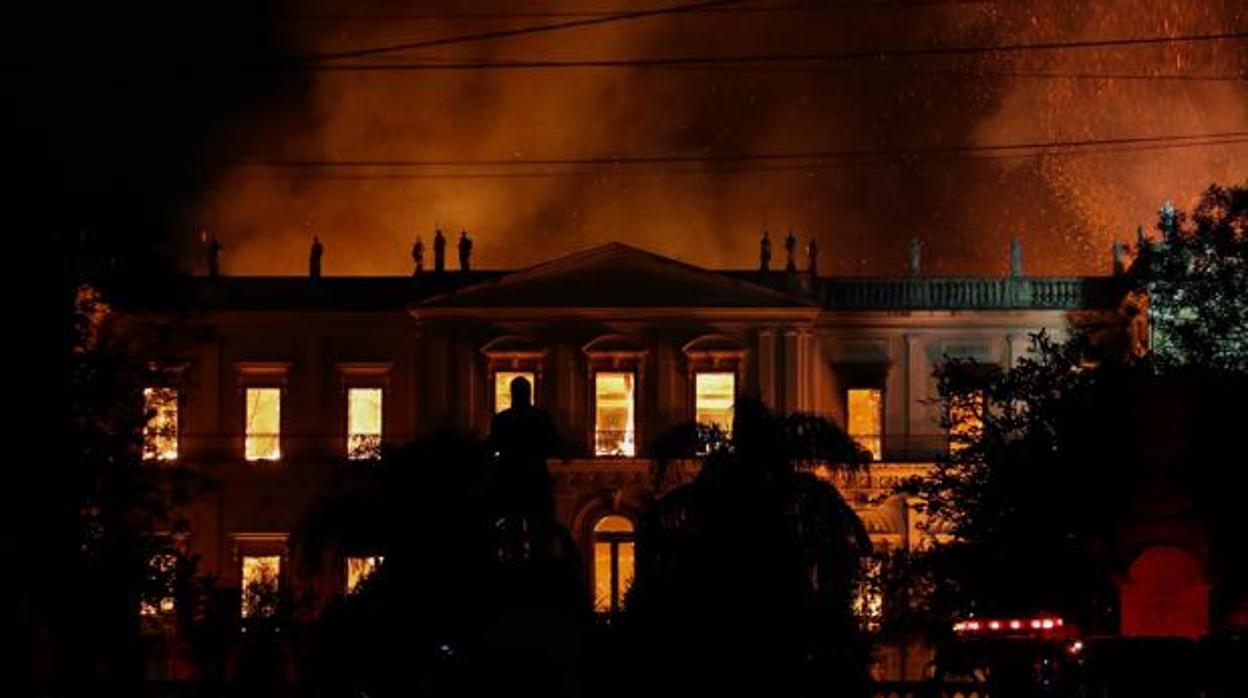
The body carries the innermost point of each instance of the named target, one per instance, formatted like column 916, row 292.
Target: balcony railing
column 608, row 442
column 966, row 293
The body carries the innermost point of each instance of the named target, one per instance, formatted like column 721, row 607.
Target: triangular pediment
column 616, row 276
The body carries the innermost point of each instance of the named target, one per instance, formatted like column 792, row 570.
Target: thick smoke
column 1068, row 209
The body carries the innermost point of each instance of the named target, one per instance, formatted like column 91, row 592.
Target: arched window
column 613, row 562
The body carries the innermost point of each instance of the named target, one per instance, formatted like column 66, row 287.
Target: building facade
column 289, row 381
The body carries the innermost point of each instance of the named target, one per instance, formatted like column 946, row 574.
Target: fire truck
column 1044, row 655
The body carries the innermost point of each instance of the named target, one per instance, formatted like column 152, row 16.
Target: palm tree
column 746, row 574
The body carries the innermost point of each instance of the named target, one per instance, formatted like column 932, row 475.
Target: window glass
column 866, row 419
column 614, row 417
column 614, row 563
column 160, row 436
column 263, row 424
column 714, row 394
column 502, row 387
column 363, row 422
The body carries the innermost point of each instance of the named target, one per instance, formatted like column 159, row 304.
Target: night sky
column 151, row 127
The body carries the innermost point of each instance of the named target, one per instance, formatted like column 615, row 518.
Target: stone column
column 767, row 367
column 912, row 367
column 790, row 398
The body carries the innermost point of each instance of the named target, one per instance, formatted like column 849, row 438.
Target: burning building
column 299, row 379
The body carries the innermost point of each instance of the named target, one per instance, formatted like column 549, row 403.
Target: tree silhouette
column 1196, row 281
column 1081, row 438
column 472, row 597
column 746, row 574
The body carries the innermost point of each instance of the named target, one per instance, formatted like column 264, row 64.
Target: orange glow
column 714, row 395
column 260, row 584
column 966, row 422
column 614, row 407
column 502, row 387
column 160, row 435
column 360, row 569
column 160, row 566
column 614, row 563
column 866, row 419
column 263, row 424
column 363, row 422
column 868, row 598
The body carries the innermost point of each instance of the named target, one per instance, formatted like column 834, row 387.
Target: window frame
column 155, row 455
column 361, row 375
column 377, row 561
column 496, row 373
column 736, row 394
column 247, row 437
column 262, row 375
column 257, row 545
column 879, row 437
column 613, row 539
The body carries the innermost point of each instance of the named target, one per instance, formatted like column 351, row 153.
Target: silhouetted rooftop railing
column 970, row 293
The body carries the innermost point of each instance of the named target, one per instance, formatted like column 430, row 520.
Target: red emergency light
column 1041, row 624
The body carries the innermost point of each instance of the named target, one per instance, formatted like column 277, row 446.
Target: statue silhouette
column 521, row 438
column 439, row 251
column 418, row 256
column 465, row 250
column 790, row 249
column 214, row 257
column 764, row 252
column 1016, row 256
column 314, row 258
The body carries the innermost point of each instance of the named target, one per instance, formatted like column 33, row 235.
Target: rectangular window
column 160, row 435
column 361, row 568
column 363, row 422
column 714, row 395
column 966, row 420
column 865, row 408
column 260, row 585
column 614, row 419
column 502, row 387
column 264, row 424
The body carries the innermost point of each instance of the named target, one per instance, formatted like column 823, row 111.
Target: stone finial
column 465, row 250
column 1016, row 256
column 439, row 251
column 1120, row 257
column 418, row 256
column 212, row 248
column 764, row 252
column 314, row 258
column 1169, row 220
column 790, row 249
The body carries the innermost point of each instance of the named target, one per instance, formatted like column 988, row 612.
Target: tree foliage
column 97, row 545
column 1027, row 511
column 747, row 573
column 1196, row 281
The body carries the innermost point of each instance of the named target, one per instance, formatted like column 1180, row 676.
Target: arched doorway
column 1165, row 594
column 613, row 562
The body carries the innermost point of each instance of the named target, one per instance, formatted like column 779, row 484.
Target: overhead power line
column 746, row 168
column 521, row 31
column 780, row 58
column 1030, row 148
column 803, row 7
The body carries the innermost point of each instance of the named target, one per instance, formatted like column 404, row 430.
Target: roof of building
column 621, row 276
column 617, row 276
